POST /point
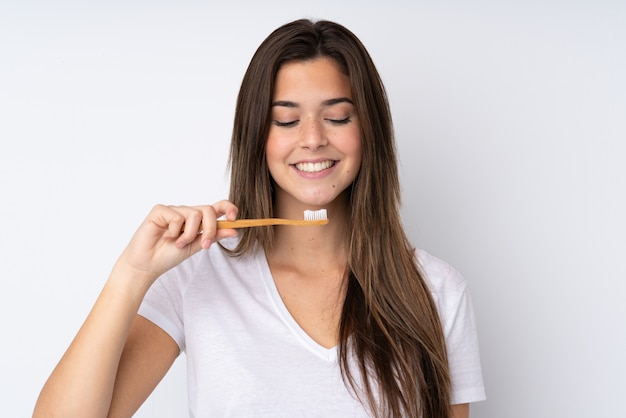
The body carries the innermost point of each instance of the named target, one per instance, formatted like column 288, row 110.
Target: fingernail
column 206, row 243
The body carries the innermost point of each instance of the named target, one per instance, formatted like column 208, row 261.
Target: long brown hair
column 392, row 350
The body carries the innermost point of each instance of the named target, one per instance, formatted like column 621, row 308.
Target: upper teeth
column 314, row 167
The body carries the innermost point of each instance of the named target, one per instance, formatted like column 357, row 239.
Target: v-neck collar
column 328, row 354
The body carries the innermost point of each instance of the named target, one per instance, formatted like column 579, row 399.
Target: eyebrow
column 329, row 102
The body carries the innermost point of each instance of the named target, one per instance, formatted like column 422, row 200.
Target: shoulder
column 216, row 255
column 440, row 276
column 447, row 286
column 210, row 264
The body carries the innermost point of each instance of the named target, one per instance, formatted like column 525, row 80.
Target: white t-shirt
column 248, row 357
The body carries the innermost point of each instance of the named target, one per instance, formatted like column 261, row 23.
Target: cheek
column 272, row 148
column 357, row 154
column 278, row 143
column 355, row 162
column 274, row 154
column 354, row 148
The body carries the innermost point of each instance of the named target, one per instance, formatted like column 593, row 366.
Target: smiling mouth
column 315, row 167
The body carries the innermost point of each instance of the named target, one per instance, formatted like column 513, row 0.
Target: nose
column 313, row 136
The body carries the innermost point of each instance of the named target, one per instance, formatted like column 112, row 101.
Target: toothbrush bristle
column 315, row 215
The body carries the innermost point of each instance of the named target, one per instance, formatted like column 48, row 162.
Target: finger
column 225, row 207
column 228, row 209
column 209, row 226
column 165, row 220
column 188, row 231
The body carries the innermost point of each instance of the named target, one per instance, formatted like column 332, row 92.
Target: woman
column 340, row 320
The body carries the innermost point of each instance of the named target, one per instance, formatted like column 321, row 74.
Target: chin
column 320, row 201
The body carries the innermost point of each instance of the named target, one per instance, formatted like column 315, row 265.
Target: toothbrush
column 311, row 217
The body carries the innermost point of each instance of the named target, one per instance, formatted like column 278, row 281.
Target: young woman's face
column 314, row 143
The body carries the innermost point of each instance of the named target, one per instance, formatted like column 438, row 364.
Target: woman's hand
column 170, row 234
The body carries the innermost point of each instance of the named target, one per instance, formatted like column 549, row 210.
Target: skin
column 121, row 356
column 314, row 122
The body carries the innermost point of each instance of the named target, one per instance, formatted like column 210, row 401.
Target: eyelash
column 340, row 121
column 285, row 124
column 294, row 122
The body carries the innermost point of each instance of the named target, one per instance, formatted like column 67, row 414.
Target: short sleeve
column 163, row 305
column 451, row 294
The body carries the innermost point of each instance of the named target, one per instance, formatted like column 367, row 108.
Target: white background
column 510, row 121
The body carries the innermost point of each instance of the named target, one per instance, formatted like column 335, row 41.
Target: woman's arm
column 113, row 350
column 107, row 355
column 460, row 410
column 147, row 356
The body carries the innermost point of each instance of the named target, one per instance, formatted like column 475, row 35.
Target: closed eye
column 340, row 121
column 286, row 124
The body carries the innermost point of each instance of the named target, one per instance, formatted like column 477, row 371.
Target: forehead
column 320, row 76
